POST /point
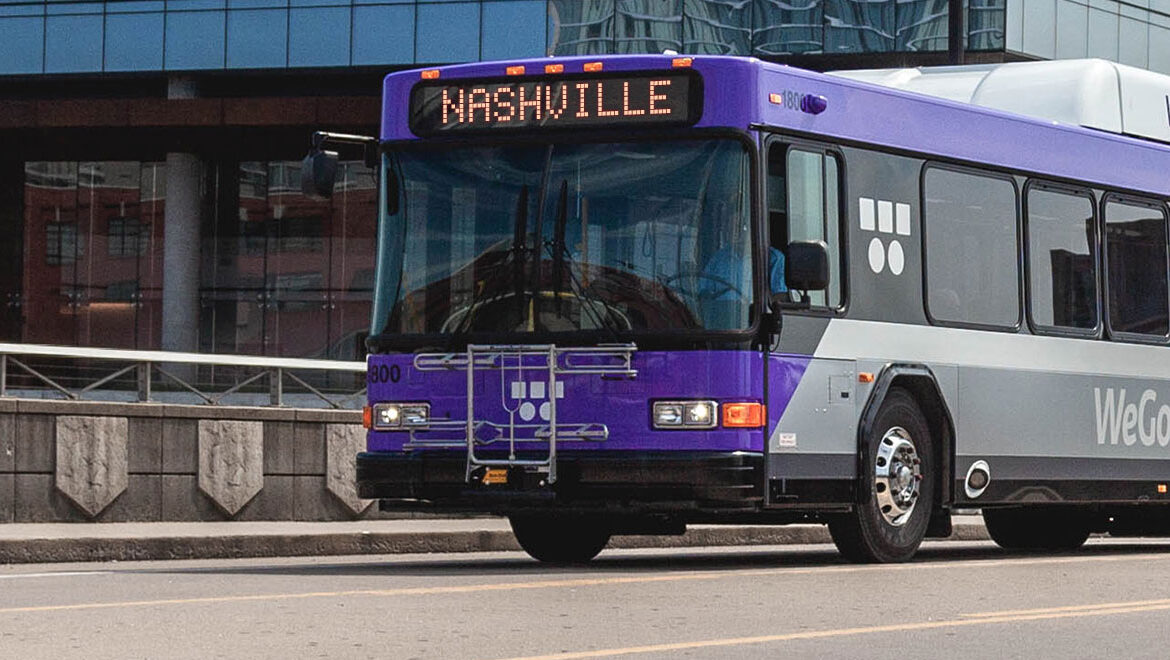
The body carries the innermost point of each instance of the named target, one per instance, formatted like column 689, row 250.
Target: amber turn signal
column 743, row 415
column 368, row 417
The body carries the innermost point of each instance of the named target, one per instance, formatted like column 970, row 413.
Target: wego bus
column 623, row 294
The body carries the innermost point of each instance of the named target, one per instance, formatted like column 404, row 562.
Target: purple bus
column 624, row 294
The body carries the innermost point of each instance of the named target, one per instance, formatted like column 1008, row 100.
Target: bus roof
column 745, row 92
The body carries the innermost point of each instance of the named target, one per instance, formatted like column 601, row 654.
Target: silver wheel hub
column 897, row 476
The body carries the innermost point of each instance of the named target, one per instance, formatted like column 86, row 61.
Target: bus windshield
column 616, row 238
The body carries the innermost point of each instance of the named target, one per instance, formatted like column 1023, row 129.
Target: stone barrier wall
column 114, row 462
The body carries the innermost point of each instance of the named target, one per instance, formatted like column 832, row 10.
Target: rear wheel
column 560, row 539
column 896, row 491
column 1036, row 529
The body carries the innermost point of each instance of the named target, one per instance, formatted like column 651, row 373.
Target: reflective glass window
column 717, row 27
column 1103, row 27
column 93, row 253
column 134, row 42
column 256, row 4
column 192, row 5
column 383, row 35
column 972, row 265
column 134, row 6
column 813, row 203
column 513, row 29
column 447, row 32
column 1062, row 260
column 194, row 40
column 788, row 27
column 1135, row 268
column 24, row 45
column 922, row 25
column 985, row 24
column 648, row 26
column 292, row 276
column 53, row 7
column 859, row 26
column 73, row 44
column 580, row 27
column 307, row 43
column 257, row 38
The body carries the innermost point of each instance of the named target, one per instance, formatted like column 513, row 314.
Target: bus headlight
column 401, row 415
column 685, row 414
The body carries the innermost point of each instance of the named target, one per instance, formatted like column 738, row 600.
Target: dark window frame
column 789, row 143
column 1035, row 328
column 1110, row 197
column 987, row 174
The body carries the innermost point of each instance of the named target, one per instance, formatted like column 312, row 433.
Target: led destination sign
column 600, row 101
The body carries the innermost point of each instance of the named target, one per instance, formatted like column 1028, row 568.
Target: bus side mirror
column 806, row 266
column 319, row 173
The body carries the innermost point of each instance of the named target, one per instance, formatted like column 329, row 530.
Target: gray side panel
column 819, row 427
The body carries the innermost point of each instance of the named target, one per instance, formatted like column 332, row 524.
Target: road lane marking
column 18, row 576
column 1073, row 608
column 989, row 619
column 585, row 582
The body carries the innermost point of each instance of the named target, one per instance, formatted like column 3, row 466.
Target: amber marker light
column 430, row 74
column 554, row 68
column 368, row 417
column 593, row 67
column 680, row 62
column 775, row 98
column 743, row 415
column 865, row 377
column 1161, row 489
column 515, row 70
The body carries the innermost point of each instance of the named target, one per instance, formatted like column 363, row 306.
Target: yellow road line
column 1073, row 608
column 843, row 632
column 584, row 582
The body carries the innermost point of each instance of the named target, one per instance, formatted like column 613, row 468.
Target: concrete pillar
column 180, row 303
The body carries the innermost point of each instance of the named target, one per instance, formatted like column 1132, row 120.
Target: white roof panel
column 1093, row 93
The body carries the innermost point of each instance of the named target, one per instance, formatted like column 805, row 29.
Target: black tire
column 871, row 534
column 560, row 539
column 1036, row 529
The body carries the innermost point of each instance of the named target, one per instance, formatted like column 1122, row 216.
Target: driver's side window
column 803, row 198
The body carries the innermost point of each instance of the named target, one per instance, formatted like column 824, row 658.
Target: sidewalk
column 74, row 542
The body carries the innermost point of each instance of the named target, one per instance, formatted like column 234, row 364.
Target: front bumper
column 588, row 481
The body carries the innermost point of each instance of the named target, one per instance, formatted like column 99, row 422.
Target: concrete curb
column 244, row 545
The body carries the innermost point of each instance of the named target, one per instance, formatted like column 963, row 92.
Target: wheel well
column 924, row 390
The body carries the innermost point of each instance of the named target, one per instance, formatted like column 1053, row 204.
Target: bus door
column 811, row 401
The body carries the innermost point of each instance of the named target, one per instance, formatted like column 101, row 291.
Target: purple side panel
column 623, row 405
column 784, row 374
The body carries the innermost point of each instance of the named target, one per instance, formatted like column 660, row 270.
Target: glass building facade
column 84, row 203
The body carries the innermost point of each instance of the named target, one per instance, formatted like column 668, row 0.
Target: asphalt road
column 957, row 599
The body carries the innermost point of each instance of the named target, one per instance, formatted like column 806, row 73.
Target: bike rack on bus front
column 555, row 363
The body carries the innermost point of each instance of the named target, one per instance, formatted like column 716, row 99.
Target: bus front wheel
column 896, row 491
column 560, row 539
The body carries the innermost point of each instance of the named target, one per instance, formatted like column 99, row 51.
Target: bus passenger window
column 1135, row 257
column 972, row 269
column 813, row 212
column 1062, row 260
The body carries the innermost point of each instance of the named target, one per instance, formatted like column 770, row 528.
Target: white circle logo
column 527, row 411
column 877, row 255
column 897, row 258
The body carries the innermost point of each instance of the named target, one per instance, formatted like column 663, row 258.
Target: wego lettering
column 478, row 105
column 1127, row 422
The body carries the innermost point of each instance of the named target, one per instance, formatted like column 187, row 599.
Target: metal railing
column 163, row 376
